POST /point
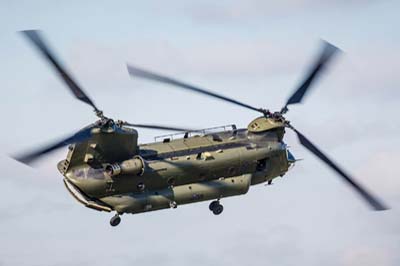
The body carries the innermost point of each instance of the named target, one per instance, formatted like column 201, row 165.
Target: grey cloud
column 368, row 257
column 242, row 12
column 35, row 205
column 379, row 170
column 362, row 72
column 220, row 57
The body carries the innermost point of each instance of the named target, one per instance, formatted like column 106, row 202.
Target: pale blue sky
column 255, row 51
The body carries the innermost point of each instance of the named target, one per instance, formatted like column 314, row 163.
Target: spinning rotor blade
column 373, row 201
column 81, row 136
column 158, row 127
column 327, row 53
column 35, row 37
column 137, row 72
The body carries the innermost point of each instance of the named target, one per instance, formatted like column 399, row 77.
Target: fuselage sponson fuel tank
column 185, row 170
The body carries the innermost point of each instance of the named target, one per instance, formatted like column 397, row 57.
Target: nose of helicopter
column 88, row 180
column 84, row 193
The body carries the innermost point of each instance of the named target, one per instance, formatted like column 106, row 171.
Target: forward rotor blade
column 81, row 136
column 375, row 203
column 35, row 37
column 137, row 72
column 158, row 127
column 327, row 53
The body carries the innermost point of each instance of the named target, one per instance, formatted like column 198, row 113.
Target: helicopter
column 106, row 169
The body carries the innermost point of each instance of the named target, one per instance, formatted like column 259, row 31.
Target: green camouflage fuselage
column 111, row 172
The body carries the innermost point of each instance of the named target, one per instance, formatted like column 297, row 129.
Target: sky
column 255, row 51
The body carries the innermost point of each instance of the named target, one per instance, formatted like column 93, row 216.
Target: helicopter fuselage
column 202, row 165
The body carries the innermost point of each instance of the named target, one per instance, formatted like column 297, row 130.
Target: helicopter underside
column 169, row 197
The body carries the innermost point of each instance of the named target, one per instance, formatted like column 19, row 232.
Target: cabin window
column 231, row 171
column 261, row 164
column 140, row 186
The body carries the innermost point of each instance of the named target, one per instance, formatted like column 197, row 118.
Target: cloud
column 368, row 257
column 242, row 12
column 379, row 171
column 364, row 72
column 222, row 57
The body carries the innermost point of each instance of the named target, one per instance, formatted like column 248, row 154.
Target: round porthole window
column 141, row 186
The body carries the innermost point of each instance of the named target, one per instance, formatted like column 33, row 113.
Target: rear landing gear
column 115, row 220
column 216, row 207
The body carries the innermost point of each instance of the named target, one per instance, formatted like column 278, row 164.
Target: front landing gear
column 216, row 207
column 115, row 220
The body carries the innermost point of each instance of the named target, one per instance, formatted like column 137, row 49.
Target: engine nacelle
column 134, row 166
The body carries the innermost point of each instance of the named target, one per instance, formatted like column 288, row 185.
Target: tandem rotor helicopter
column 107, row 170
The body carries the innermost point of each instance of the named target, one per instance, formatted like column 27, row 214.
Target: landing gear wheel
column 217, row 210
column 213, row 204
column 115, row 220
column 173, row 204
column 216, row 207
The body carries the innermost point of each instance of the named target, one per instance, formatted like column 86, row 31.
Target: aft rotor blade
column 35, row 37
column 81, row 136
column 137, row 72
column 375, row 203
column 162, row 127
column 328, row 52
